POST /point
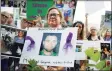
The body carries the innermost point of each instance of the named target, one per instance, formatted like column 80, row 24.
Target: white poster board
column 84, row 46
column 62, row 41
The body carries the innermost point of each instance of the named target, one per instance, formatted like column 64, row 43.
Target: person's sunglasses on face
column 53, row 14
column 4, row 16
column 31, row 23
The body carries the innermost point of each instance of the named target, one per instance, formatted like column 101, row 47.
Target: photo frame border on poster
column 16, row 29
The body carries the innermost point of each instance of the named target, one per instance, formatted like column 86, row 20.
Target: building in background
column 106, row 22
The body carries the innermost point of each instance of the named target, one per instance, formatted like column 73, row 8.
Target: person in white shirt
column 93, row 35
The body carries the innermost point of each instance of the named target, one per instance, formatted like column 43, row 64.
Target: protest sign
column 37, row 7
column 50, row 46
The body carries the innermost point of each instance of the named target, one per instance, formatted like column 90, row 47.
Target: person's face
column 108, row 34
column 10, row 20
column 54, row 18
column 24, row 24
column 79, row 27
column 20, row 33
column 3, row 19
column 50, row 42
column 105, row 49
column 93, row 32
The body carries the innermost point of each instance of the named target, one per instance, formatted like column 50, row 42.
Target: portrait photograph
column 78, row 48
column 12, row 41
column 105, row 51
column 50, row 44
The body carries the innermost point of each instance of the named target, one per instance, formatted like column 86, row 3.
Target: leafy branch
column 33, row 66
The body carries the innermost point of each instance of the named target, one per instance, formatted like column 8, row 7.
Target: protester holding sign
column 54, row 18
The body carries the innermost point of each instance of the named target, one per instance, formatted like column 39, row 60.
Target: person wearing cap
column 93, row 35
column 4, row 17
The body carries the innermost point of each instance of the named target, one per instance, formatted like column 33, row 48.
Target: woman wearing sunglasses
column 54, row 18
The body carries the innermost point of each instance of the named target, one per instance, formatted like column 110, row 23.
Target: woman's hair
column 22, row 33
column 83, row 62
column 57, row 10
column 106, row 34
column 58, row 35
column 82, row 31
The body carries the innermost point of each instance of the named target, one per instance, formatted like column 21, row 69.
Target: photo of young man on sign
column 50, row 44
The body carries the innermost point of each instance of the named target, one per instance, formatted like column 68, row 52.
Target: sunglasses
column 4, row 16
column 53, row 14
column 30, row 23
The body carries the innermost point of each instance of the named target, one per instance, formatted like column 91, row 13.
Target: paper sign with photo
column 97, row 52
column 105, row 50
column 12, row 41
column 78, row 51
column 86, row 48
column 50, row 46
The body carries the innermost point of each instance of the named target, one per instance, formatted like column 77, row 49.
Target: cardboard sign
column 50, row 46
